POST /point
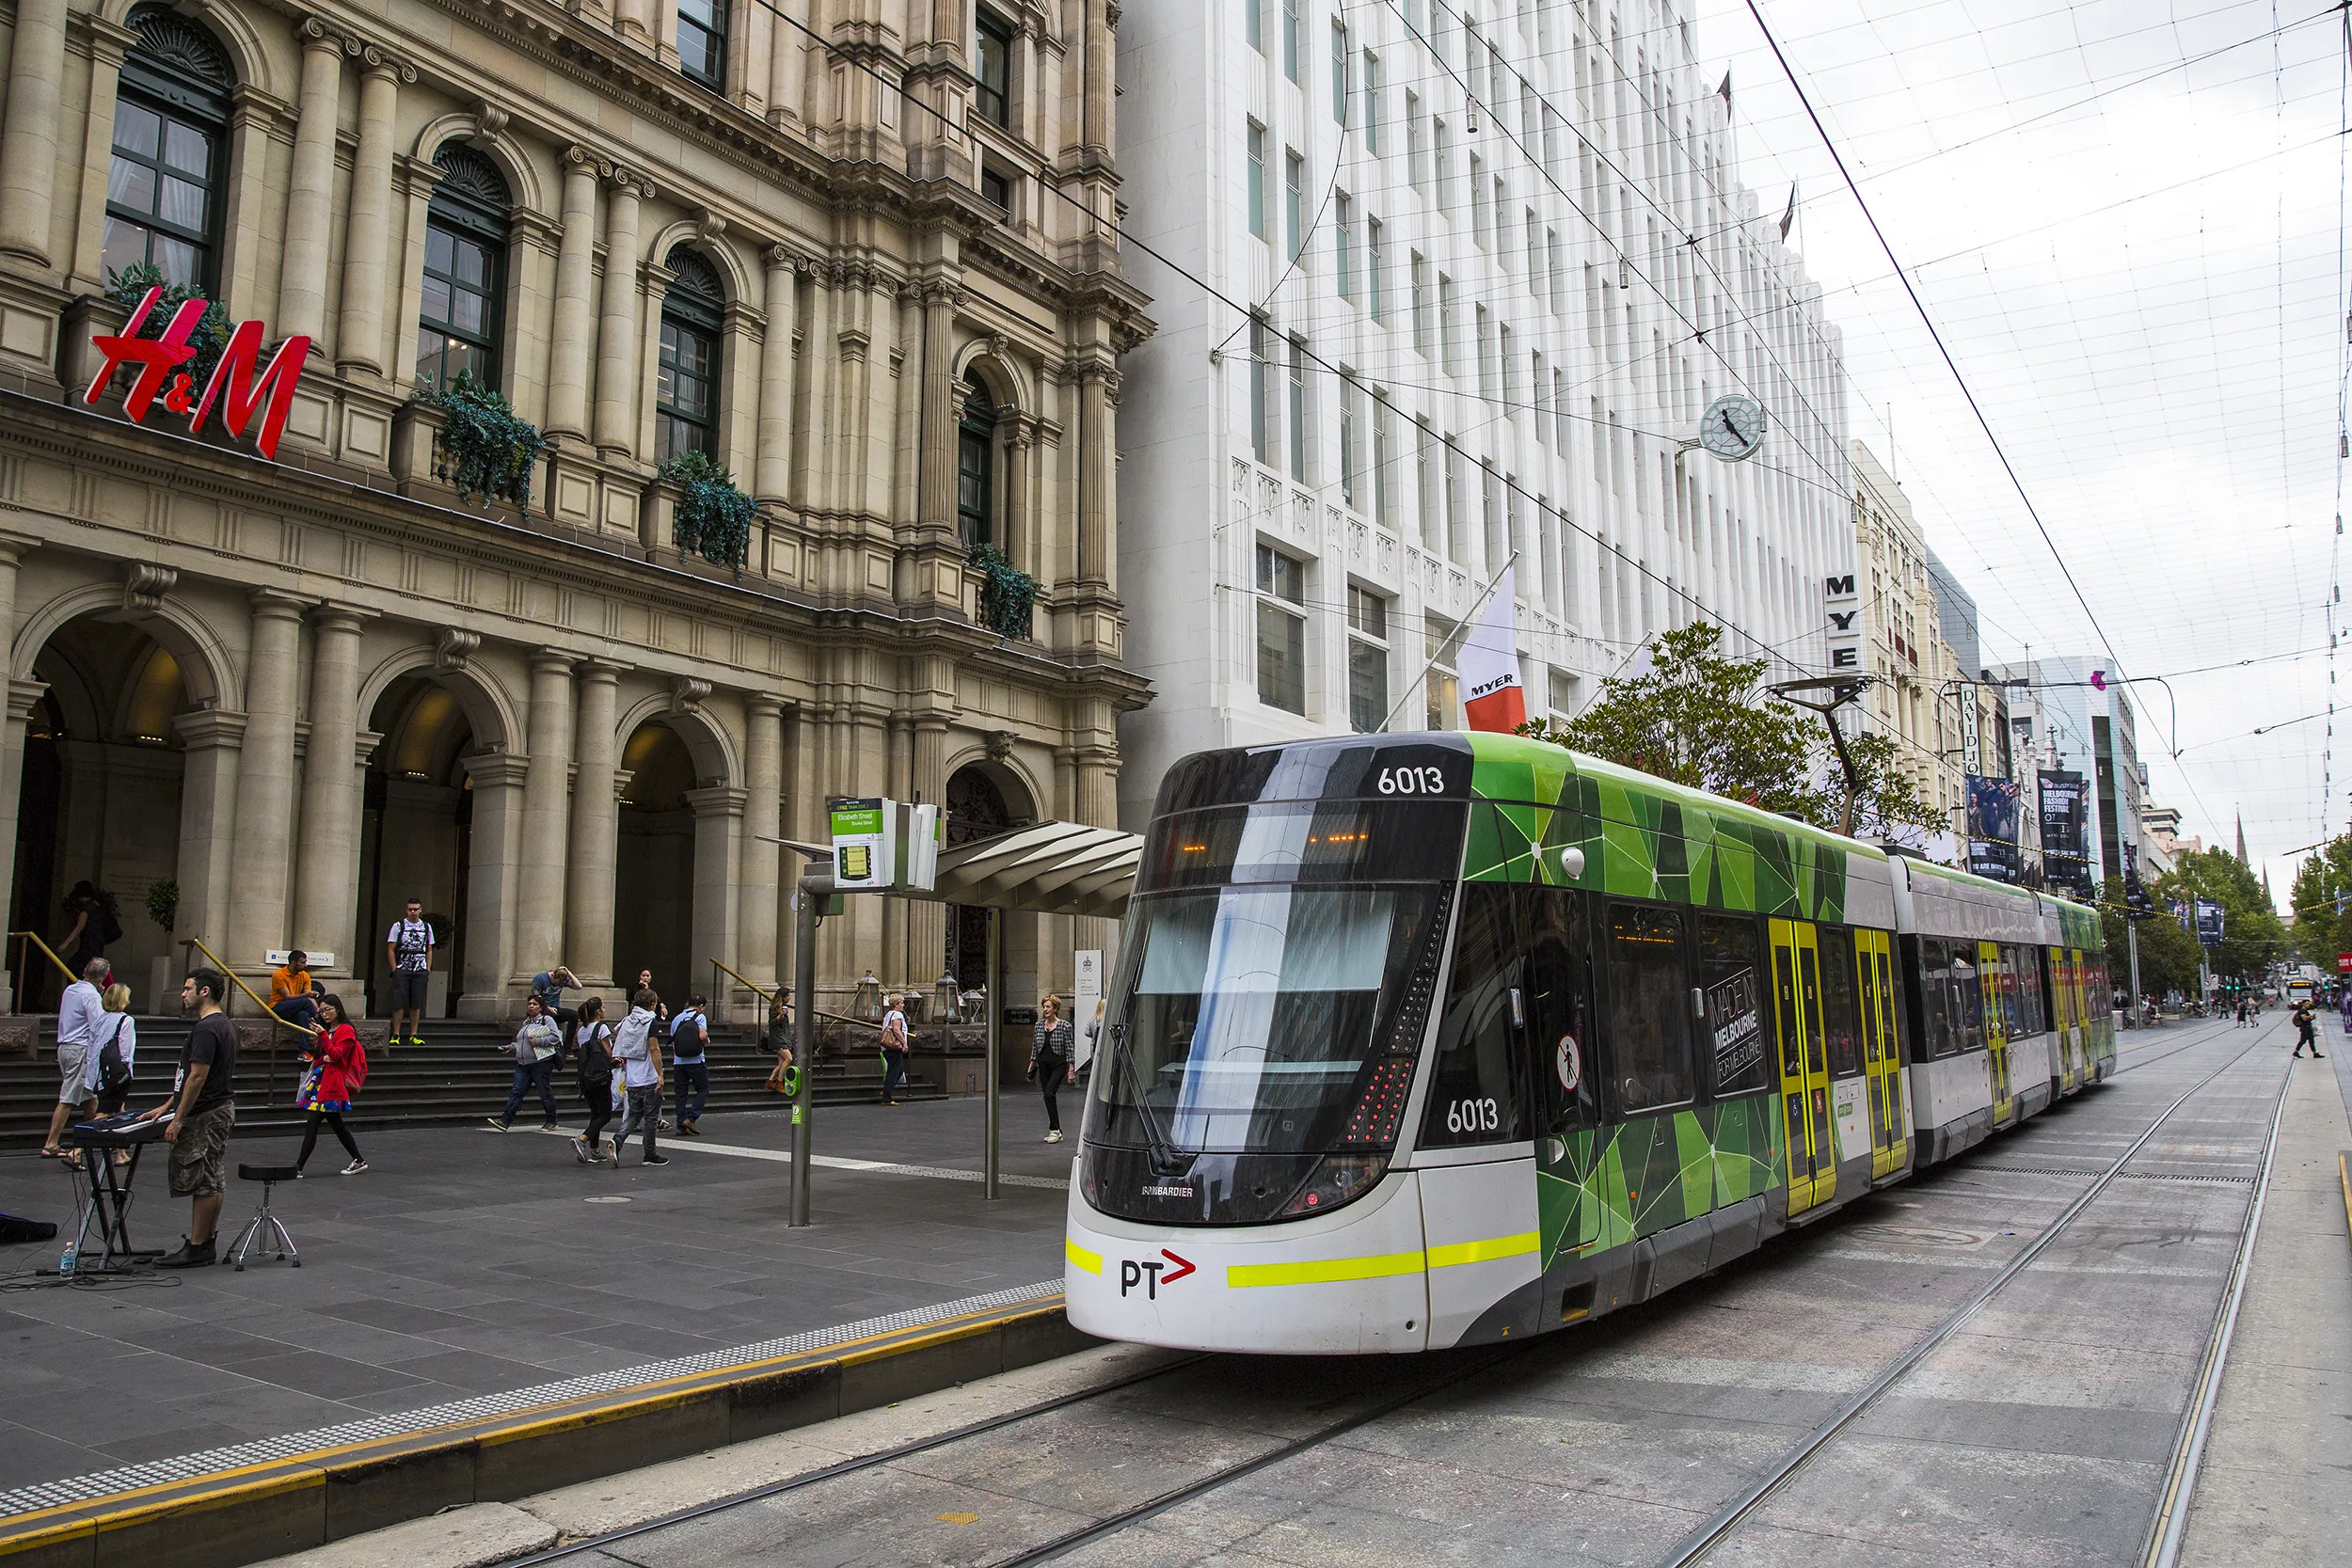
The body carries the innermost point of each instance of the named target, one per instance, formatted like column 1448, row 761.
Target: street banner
column 2209, row 922
column 2344, row 963
column 1488, row 665
column 2064, row 854
column 1993, row 827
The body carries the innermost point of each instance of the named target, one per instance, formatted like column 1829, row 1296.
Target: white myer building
column 1436, row 283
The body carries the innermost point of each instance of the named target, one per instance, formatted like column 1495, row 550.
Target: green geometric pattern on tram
column 1614, row 1185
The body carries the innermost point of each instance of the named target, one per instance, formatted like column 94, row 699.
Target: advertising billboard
column 1993, row 827
column 2065, row 851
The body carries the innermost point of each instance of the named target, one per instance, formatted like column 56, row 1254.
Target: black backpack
column 596, row 1060
column 114, row 1073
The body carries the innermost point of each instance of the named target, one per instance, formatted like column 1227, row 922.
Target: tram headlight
column 1338, row 1179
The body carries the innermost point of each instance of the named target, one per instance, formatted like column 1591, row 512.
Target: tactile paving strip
column 84, row 1488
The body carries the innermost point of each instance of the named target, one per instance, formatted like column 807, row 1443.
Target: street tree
column 2320, row 882
column 2252, row 936
column 1697, row 717
column 2168, row 956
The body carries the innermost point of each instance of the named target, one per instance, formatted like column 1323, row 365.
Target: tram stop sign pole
column 816, row 896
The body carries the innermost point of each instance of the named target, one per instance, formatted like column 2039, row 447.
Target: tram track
column 1695, row 1547
column 2172, row 1513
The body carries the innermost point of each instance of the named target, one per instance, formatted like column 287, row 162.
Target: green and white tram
column 1444, row 1040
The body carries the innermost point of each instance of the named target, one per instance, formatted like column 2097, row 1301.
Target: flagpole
column 1483, row 595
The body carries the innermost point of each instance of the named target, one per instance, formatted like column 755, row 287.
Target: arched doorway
column 977, row 808
column 653, row 881
column 99, row 800
column 416, row 833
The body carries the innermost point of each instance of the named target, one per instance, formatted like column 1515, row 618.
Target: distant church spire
column 2241, row 839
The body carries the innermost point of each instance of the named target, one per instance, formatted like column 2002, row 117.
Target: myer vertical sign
column 1845, row 624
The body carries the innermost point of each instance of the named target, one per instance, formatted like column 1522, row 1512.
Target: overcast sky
column 2124, row 217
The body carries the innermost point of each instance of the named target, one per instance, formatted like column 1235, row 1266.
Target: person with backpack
column 2307, row 1028
column 338, row 1066
column 894, row 1049
column 690, row 1049
column 115, row 1060
column 536, row 1045
column 409, row 949
column 590, row 1042
column 637, row 1048
column 96, row 926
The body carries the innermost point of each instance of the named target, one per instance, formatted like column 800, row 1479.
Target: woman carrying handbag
column 339, row 1065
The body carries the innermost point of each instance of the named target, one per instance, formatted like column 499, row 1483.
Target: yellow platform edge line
column 65, row 1522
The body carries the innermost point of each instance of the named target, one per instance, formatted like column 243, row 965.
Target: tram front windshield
column 1262, row 983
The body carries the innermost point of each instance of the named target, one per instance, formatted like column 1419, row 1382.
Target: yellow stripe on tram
column 1480, row 1252
column 1323, row 1271
column 1090, row 1262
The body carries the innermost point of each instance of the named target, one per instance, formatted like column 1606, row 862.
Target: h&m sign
column 236, row 385
column 1845, row 622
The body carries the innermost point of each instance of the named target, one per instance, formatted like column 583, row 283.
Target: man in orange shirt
column 290, row 995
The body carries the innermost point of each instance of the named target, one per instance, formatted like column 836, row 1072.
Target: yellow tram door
column 1804, row 1065
column 2064, row 1014
column 1991, row 969
column 1881, row 1055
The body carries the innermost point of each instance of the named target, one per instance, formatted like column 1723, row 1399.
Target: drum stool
column 264, row 1227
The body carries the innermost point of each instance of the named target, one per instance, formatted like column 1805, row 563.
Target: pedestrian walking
column 536, row 1045
column 2244, row 1013
column 112, row 1064
column 548, row 986
column 590, row 1043
column 780, row 1040
column 408, row 948
column 81, row 1012
column 95, row 924
column 660, row 1008
column 203, row 1112
column 338, row 1066
column 1049, row 1058
column 639, row 1051
column 689, row 1063
column 2307, row 1028
column 894, row 1049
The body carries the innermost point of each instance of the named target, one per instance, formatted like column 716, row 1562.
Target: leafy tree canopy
column 2168, row 956
column 2253, row 936
column 1699, row 719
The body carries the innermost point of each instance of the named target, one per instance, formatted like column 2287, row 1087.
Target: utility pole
column 815, row 896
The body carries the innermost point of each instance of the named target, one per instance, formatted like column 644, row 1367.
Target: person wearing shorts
column 408, row 947
column 203, row 1111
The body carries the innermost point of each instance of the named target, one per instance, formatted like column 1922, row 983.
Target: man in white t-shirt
column 79, row 1014
column 408, row 948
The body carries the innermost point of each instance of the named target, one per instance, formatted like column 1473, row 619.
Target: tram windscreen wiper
column 1165, row 1161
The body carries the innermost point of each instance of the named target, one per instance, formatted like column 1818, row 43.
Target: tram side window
column 1841, row 1015
column 1731, row 970
column 1474, row 1091
column 1935, row 984
column 1648, row 1049
column 1559, row 1025
column 2030, row 991
column 1967, row 998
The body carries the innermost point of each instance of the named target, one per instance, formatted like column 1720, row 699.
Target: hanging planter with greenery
column 714, row 518
column 127, row 286
column 490, row 450
column 1008, row 594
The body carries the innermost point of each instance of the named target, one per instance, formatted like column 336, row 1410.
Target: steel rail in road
column 1704, row 1538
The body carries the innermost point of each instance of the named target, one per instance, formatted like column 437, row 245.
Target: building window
column 1383, row 455
column 686, row 385
column 171, row 122
column 1351, row 439
column 1289, row 39
column 1253, row 23
column 1372, row 103
column 1261, row 400
column 1343, row 239
column 1299, row 410
column 1420, row 271
column 1294, row 200
column 702, row 41
column 1372, row 266
column 1441, row 690
column 1339, row 72
column 995, row 76
column 1367, row 660
column 996, row 191
column 1257, row 179
column 976, row 466
column 1281, row 631
column 465, row 254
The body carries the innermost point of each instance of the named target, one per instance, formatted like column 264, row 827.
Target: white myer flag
column 1492, row 698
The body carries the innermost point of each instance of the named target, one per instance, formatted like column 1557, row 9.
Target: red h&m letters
column 234, row 386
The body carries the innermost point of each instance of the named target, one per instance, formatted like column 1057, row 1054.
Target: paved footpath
column 2277, row 1485
column 473, row 1263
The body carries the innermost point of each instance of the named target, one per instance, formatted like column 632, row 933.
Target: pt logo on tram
column 1146, row 1273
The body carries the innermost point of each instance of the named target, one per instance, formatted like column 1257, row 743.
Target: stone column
column 1021, row 531
column 935, row 476
column 309, row 203
column 718, row 832
column 108, row 45
column 616, row 337
column 367, row 235
column 1095, row 457
column 785, row 64
column 12, row 550
column 755, row 906
column 494, row 893
column 1100, row 79
column 633, row 22
column 28, row 130
column 927, row 922
column 574, row 300
column 210, row 741
column 595, row 827
column 326, row 876
column 265, row 792
column 539, row 912
column 772, row 473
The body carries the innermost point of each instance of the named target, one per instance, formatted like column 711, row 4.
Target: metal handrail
column 238, row 980
column 770, row 997
column 34, row 937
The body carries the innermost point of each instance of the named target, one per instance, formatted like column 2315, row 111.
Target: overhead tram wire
column 1044, row 174
column 1952, row 364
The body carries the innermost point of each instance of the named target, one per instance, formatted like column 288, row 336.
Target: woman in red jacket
column 334, row 1058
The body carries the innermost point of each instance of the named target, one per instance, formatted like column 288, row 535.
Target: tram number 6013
column 1412, row 780
column 1473, row 1115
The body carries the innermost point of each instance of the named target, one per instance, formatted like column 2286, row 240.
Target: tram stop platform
column 479, row 1316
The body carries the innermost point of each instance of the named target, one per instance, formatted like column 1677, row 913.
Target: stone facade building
column 857, row 251
column 1914, row 696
